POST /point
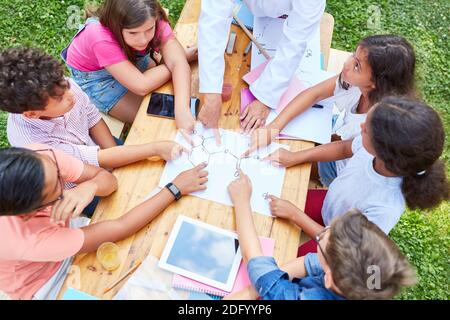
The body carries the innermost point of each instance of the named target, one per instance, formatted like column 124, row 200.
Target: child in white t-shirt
column 394, row 163
column 382, row 65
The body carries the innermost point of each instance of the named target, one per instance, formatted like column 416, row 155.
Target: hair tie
column 421, row 173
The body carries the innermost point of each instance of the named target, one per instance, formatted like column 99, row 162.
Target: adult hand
column 254, row 116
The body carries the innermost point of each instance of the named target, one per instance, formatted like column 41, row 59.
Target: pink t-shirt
column 31, row 251
column 96, row 47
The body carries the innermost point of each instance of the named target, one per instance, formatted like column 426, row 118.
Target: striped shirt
column 68, row 133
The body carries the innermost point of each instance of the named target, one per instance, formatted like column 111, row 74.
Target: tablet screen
column 202, row 252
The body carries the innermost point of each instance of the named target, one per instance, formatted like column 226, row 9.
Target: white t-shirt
column 348, row 123
column 360, row 187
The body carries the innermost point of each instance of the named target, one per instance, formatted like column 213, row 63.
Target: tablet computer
column 202, row 252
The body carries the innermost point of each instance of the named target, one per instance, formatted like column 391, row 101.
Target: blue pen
column 317, row 106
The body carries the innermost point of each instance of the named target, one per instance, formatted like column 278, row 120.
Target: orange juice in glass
column 108, row 255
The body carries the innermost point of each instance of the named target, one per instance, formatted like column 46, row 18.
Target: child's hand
column 191, row 53
column 282, row 158
column 240, row 190
column 74, row 201
column 282, row 208
column 192, row 180
column 169, row 150
column 186, row 125
column 260, row 138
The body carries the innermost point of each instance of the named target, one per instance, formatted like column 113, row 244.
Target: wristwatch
column 174, row 190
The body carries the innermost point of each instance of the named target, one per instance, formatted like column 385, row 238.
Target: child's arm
column 124, row 155
column 327, row 152
column 131, row 222
column 305, row 100
column 175, row 59
column 102, row 136
column 94, row 181
column 240, row 192
column 286, row 210
column 295, row 268
column 137, row 82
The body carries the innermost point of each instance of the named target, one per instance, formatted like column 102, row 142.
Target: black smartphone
column 163, row 105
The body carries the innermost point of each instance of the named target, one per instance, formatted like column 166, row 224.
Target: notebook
column 74, row 294
column 242, row 279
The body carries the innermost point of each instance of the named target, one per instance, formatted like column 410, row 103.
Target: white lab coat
column 215, row 21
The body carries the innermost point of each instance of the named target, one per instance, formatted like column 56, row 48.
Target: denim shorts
column 101, row 87
column 327, row 170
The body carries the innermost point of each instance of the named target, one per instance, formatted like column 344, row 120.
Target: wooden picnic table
column 138, row 180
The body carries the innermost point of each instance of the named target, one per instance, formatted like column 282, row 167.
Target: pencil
column 123, row 277
column 250, row 35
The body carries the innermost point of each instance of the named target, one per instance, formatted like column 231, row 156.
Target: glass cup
column 227, row 91
column 108, row 256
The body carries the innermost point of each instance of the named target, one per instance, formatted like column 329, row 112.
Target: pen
column 317, row 106
column 121, row 278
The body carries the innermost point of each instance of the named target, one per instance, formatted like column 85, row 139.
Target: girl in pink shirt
column 110, row 59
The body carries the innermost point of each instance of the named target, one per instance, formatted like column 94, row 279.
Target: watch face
column 175, row 191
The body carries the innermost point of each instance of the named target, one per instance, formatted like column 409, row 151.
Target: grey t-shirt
column 359, row 186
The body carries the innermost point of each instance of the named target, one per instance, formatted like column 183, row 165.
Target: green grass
column 422, row 236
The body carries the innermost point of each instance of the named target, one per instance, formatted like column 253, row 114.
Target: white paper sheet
column 223, row 163
column 312, row 125
column 150, row 282
column 268, row 32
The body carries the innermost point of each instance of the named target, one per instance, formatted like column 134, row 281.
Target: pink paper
column 242, row 279
column 253, row 75
column 246, row 98
column 295, row 88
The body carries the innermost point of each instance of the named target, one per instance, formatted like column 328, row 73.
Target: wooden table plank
column 138, row 180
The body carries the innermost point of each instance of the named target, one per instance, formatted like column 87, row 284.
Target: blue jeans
column 327, row 170
column 101, row 87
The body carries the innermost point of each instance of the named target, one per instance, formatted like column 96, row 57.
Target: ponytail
column 428, row 189
column 408, row 136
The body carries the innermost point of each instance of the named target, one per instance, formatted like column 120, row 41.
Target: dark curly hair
column 408, row 136
column 28, row 78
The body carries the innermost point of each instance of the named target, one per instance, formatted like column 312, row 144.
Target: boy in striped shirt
column 47, row 108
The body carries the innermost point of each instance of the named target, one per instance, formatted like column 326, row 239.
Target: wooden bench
column 117, row 127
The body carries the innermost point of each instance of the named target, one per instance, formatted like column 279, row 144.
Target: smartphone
column 163, row 105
